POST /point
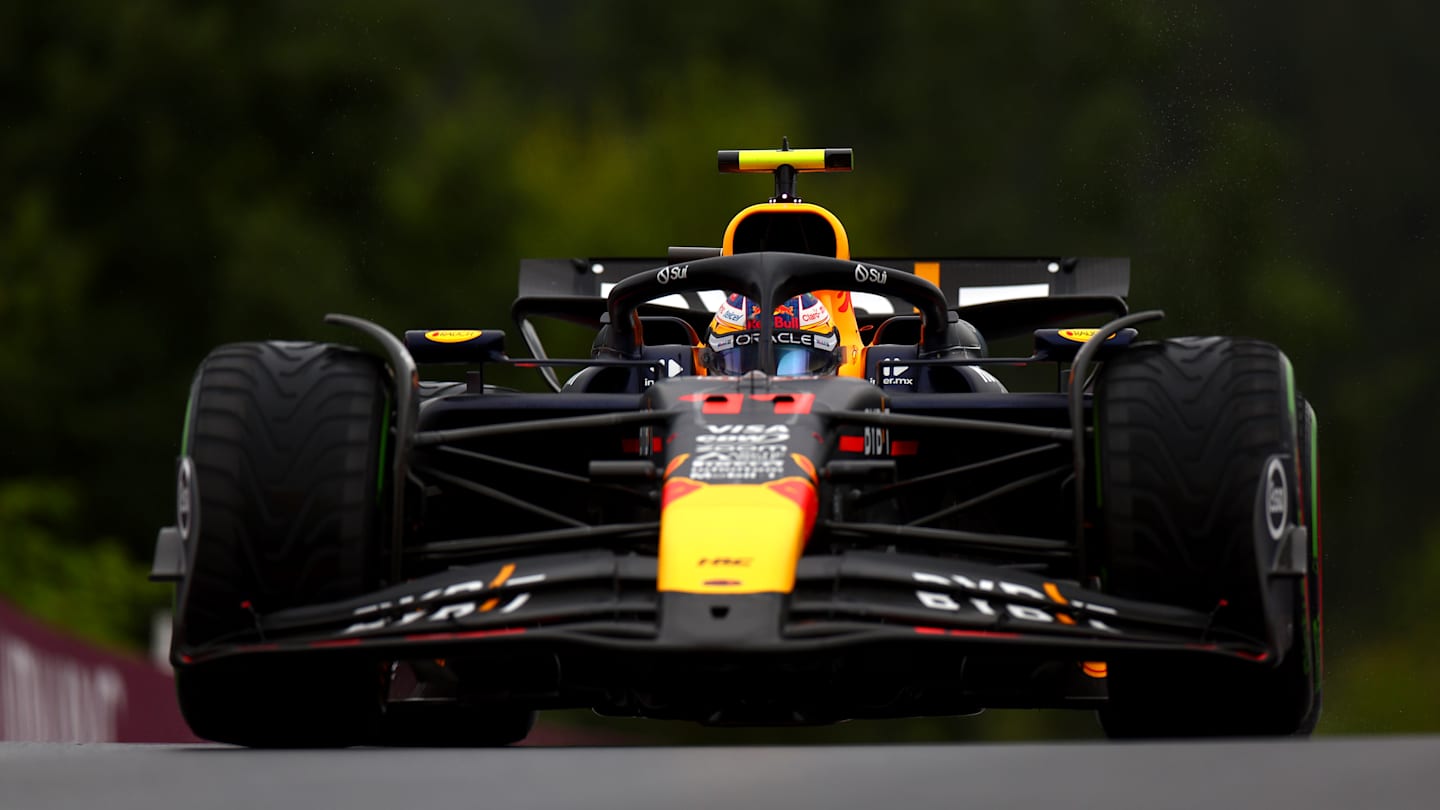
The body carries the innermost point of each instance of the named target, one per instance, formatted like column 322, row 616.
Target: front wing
column 601, row 600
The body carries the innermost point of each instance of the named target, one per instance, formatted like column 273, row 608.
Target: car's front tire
column 1190, row 434
column 284, row 449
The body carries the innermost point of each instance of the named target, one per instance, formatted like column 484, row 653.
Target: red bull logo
column 752, row 319
column 801, row 313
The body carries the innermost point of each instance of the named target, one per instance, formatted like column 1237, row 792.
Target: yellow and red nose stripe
column 734, row 538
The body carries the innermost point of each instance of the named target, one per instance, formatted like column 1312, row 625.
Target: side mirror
column 455, row 345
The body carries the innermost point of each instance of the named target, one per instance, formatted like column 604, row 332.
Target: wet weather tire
column 284, row 443
column 1190, row 432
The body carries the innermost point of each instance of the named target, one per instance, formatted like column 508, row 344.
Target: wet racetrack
column 1339, row 772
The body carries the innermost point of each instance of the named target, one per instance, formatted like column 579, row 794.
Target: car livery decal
column 766, row 524
column 452, row 335
column 446, row 604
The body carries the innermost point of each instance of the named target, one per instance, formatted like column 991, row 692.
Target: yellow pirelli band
column 803, row 160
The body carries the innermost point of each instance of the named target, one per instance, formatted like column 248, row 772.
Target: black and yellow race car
column 365, row 557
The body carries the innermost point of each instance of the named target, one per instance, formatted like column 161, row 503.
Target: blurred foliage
column 177, row 175
column 99, row 594
column 1388, row 684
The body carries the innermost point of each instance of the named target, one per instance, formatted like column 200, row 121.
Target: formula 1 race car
column 362, row 557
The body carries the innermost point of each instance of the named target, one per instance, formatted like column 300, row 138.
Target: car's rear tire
column 448, row 724
column 1189, row 433
column 284, row 448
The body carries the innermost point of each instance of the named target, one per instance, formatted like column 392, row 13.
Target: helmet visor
column 800, row 361
column 734, row 361
column 796, row 354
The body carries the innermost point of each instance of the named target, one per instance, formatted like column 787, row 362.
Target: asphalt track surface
column 1353, row 772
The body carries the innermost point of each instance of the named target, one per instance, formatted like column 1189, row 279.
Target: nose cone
column 734, row 538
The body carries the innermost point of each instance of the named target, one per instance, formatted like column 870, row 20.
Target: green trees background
column 176, row 175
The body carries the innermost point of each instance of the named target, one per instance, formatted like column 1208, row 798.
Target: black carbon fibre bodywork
column 951, row 561
column 916, row 634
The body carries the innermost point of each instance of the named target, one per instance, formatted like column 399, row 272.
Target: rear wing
column 999, row 296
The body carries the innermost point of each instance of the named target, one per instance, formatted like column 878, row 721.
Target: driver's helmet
column 805, row 339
